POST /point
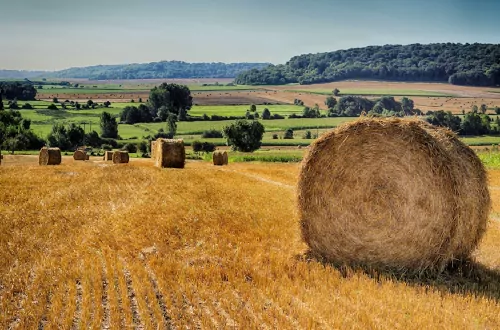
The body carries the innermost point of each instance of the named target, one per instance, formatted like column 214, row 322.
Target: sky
column 58, row 34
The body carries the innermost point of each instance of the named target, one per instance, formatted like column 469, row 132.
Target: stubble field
column 92, row 245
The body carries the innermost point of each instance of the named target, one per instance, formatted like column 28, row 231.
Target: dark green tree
column 172, row 96
column 407, row 106
column 172, row 123
column 483, row 108
column 109, row 126
column 288, row 134
column 331, row 102
column 336, row 92
column 244, row 135
column 253, row 108
column 266, row 114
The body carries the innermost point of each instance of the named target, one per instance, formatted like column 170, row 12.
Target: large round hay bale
column 170, row 153
column 79, row 155
column 392, row 193
column 218, row 158
column 225, row 158
column 49, row 156
column 120, row 157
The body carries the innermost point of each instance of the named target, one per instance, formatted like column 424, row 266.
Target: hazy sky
column 57, row 34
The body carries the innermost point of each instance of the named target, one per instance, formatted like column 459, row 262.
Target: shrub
column 275, row 136
column 106, row 147
column 130, row 147
column 213, row 133
column 288, row 134
column 27, row 106
column 244, row 135
column 52, row 107
column 199, row 146
column 307, row 135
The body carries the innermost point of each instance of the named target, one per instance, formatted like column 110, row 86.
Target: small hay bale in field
column 225, row 158
column 218, row 158
column 49, row 156
column 170, row 153
column 392, row 193
column 108, row 155
column 79, row 155
column 153, row 149
column 120, row 157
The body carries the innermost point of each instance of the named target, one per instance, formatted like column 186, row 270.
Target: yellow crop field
column 96, row 245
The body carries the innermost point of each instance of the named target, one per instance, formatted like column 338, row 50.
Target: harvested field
column 142, row 256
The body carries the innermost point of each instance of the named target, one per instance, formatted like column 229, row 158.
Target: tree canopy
column 244, row 135
column 156, row 70
column 460, row 64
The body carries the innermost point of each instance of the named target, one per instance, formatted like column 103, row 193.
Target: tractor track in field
column 23, row 297
column 77, row 318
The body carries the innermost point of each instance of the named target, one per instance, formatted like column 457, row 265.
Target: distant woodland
column 158, row 70
column 458, row 64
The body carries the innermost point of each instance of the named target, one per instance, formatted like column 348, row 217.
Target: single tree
column 474, row 109
column 55, row 100
column 172, row 123
column 497, row 110
column 253, row 108
column 331, row 102
column 109, row 126
column 483, row 108
column 288, row 134
column 266, row 114
column 336, row 92
column 244, row 135
column 407, row 105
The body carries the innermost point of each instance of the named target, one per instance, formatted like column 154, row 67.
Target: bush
column 199, row 146
column 111, row 142
column 275, row 136
column 14, row 106
column 130, row 147
column 27, row 106
column 107, row 147
column 244, row 135
column 52, row 107
column 288, row 134
column 307, row 135
column 211, row 134
column 143, row 147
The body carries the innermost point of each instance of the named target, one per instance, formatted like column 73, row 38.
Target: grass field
column 86, row 245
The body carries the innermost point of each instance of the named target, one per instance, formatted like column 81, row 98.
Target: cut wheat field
column 90, row 245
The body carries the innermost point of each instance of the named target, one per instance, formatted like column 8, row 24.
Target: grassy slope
column 134, row 245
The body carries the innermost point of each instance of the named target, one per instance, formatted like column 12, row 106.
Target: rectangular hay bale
column 170, row 153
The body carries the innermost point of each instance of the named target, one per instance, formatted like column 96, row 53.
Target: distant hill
column 460, row 64
column 19, row 74
column 158, row 70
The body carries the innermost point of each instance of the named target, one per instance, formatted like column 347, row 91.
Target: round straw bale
column 218, row 158
column 392, row 193
column 170, row 153
column 225, row 158
column 79, row 155
column 120, row 157
column 472, row 195
column 49, row 156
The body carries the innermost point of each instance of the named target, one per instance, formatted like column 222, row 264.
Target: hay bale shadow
column 464, row 277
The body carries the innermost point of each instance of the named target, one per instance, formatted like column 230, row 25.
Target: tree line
column 157, row 70
column 461, row 64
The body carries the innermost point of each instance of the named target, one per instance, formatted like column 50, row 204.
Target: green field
column 373, row 92
column 240, row 110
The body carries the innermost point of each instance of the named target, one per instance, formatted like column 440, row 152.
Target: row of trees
column 353, row 106
column 471, row 124
column 17, row 91
column 155, row 70
column 460, row 64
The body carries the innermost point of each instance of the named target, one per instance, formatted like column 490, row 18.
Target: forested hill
column 460, row 64
column 165, row 69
